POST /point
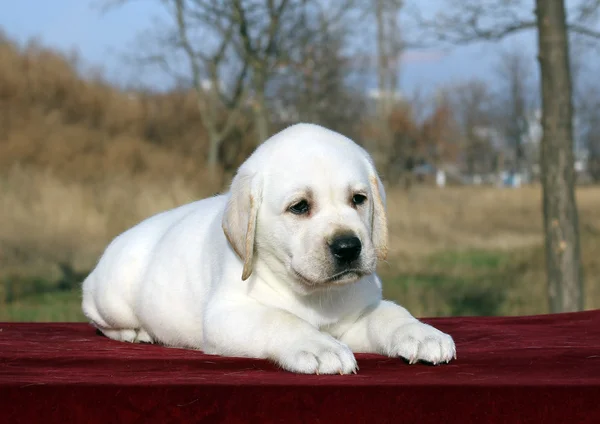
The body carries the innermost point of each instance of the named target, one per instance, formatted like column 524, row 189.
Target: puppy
column 280, row 267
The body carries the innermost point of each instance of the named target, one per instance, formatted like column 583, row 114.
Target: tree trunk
column 563, row 265
column 261, row 116
column 212, row 161
column 382, row 101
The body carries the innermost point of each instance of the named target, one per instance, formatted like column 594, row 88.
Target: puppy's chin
column 339, row 279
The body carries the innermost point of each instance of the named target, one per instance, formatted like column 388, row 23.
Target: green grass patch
column 448, row 283
column 31, row 298
column 483, row 260
column 451, row 283
column 59, row 306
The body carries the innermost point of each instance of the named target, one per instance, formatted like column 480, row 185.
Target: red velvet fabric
column 538, row 369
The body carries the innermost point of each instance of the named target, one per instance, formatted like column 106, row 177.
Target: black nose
column 345, row 249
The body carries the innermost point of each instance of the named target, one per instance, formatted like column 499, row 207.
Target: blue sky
column 101, row 38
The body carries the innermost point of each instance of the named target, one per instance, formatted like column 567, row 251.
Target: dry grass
column 482, row 245
column 46, row 221
column 429, row 219
column 448, row 247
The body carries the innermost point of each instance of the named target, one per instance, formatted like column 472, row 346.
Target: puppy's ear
column 239, row 219
column 379, row 226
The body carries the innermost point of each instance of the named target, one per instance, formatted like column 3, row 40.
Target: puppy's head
column 308, row 204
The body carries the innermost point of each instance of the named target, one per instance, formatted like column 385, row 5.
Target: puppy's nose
column 345, row 249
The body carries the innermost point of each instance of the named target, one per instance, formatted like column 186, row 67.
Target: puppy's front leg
column 389, row 329
column 252, row 330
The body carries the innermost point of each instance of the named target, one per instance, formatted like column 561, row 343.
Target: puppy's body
column 145, row 271
column 246, row 274
column 155, row 265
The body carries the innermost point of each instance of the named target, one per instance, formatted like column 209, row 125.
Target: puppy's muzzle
column 345, row 249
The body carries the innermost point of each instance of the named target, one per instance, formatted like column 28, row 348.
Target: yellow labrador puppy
column 280, row 267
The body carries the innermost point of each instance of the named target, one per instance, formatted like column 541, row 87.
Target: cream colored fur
column 240, row 274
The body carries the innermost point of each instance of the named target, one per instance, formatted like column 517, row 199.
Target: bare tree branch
column 467, row 21
column 586, row 11
column 582, row 30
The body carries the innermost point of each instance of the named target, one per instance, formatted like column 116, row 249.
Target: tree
column 382, row 57
column 561, row 222
column 265, row 35
column 589, row 120
column 389, row 50
column 317, row 79
column 466, row 21
column 230, row 50
column 440, row 132
column 472, row 106
column 515, row 101
column 220, row 100
column 403, row 150
column 265, row 32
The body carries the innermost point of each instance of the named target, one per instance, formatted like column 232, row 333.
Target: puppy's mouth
column 346, row 276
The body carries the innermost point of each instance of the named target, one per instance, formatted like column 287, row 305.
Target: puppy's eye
column 300, row 208
column 359, row 199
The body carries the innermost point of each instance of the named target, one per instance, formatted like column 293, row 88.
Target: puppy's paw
column 318, row 355
column 418, row 341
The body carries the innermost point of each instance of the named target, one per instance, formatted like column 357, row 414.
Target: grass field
column 455, row 251
column 81, row 161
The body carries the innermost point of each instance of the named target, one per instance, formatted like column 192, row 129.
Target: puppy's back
column 110, row 290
